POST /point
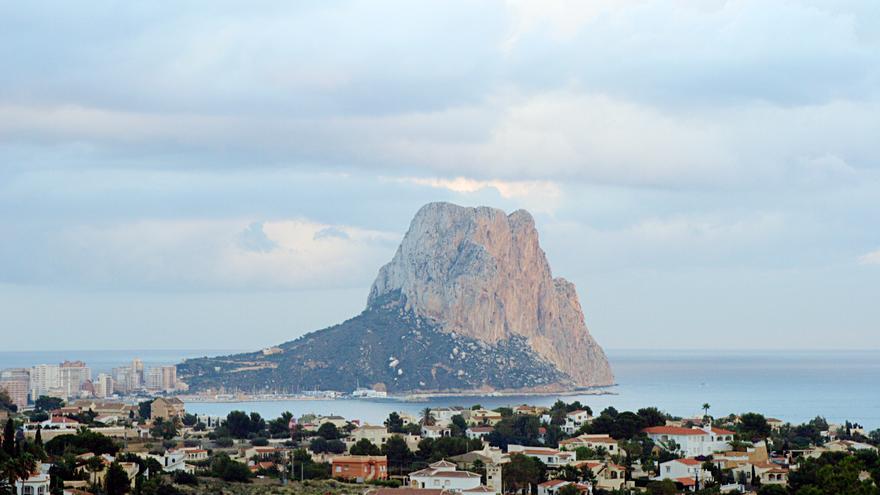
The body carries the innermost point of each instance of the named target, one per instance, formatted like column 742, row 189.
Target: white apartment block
column 45, row 380
column 72, row 375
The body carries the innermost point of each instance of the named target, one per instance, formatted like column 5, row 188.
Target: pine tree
column 9, row 438
column 116, row 481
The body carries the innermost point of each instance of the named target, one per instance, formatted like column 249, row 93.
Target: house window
column 28, row 490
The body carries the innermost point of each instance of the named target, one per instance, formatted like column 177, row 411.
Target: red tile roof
column 479, row 489
column 673, row 430
column 64, row 419
column 481, row 429
column 722, row 431
column 686, row 481
column 552, row 483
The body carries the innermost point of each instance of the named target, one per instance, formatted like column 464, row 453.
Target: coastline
column 410, row 397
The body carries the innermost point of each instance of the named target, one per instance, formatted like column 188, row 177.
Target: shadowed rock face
column 480, row 273
column 468, row 303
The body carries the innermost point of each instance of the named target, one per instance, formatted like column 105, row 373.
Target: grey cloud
column 281, row 86
column 253, row 238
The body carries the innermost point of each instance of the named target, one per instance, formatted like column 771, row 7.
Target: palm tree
column 706, row 408
column 94, row 465
column 16, row 468
column 427, row 417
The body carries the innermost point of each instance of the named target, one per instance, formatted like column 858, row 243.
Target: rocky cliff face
column 467, row 304
column 480, row 273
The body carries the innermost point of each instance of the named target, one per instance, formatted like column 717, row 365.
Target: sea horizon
column 794, row 385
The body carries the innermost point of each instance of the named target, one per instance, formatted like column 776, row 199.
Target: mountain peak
column 481, row 273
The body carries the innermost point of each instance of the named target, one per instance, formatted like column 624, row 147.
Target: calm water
column 794, row 386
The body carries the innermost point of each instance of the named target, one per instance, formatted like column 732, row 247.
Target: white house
column 552, row 487
column 691, row 442
column 443, row 415
column 171, row 461
column 193, row 454
column 55, row 423
column 684, row 471
column 592, row 441
column 476, row 432
column 551, row 457
column 37, row 483
column 430, row 431
column 575, row 420
column 444, row 475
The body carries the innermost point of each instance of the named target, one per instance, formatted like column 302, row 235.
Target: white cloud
column 872, row 258
column 221, row 254
column 542, row 196
column 689, row 231
column 510, row 140
column 679, row 241
column 562, row 18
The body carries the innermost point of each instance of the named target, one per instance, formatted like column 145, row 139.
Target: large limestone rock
column 480, row 273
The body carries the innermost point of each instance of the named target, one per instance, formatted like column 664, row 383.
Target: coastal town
column 65, row 435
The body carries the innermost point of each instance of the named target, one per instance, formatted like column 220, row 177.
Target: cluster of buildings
column 700, row 451
column 71, row 380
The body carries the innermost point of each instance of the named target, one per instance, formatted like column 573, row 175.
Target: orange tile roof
column 552, row 483
column 673, row 430
column 480, row 429
column 722, row 431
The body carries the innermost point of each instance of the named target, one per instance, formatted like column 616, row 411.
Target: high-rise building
column 104, row 386
column 169, row 377
column 45, row 380
column 137, row 370
column 122, row 380
column 16, row 382
column 153, row 379
column 72, row 376
column 161, row 378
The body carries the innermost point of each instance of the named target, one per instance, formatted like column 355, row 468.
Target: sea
column 794, row 386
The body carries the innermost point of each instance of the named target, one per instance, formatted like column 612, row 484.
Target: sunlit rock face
column 480, row 273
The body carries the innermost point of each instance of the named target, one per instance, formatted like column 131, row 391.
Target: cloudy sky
column 229, row 175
